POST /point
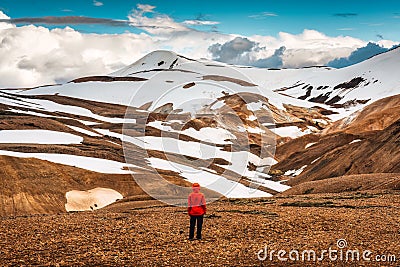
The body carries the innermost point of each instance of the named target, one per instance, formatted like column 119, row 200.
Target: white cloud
column 97, row 3
column 308, row 48
column 145, row 8
column 60, row 55
column 263, row 15
column 346, row 29
column 387, row 43
column 4, row 25
column 158, row 24
column 200, row 22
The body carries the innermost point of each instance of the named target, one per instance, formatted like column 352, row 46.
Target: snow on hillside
column 39, row 105
column 206, row 134
column 371, row 80
column 87, row 163
column 93, row 199
column 209, row 180
column 168, row 73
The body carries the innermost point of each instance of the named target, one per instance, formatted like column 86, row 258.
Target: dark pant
column 193, row 220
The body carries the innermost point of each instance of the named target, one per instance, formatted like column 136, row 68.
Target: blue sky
column 364, row 19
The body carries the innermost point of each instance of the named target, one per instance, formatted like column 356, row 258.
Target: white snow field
column 209, row 180
column 290, row 131
column 93, row 199
column 206, row 134
column 376, row 82
column 38, row 137
column 238, row 160
column 38, row 105
column 87, row 163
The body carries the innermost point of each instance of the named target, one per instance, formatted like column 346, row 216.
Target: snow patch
column 78, row 129
column 254, row 106
column 289, row 131
column 309, row 144
column 212, row 135
column 38, row 137
column 252, row 118
column 295, row 172
column 271, row 184
column 93, row 199
column 87, row 163
column 206, row 134
column 217, row 183
column 315, row 160
column 161, row 126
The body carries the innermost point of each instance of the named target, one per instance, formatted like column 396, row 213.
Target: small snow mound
column 159, row 59
column 93, row 199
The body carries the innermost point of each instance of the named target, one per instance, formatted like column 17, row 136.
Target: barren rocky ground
column 151, row 234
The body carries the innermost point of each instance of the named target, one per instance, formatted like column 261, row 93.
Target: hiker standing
column 196, row 209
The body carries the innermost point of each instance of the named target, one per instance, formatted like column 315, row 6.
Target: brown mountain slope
column 33, row 186
column 376, row 116
column 306, row 150
column 366, row 142
column 378, row 153
column 349, row 183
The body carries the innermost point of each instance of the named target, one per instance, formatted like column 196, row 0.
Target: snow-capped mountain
column 183, row 120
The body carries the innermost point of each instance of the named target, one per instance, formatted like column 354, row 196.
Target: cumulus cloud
column 309, row 48
column 242, row 51
column 234, row 51
column 4, row 17
column 274, row 61
column 60, row 55
column 359, row 55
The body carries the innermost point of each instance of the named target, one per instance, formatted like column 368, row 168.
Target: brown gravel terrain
column 128, row 234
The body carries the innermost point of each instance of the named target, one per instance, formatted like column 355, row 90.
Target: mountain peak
column 156, row 60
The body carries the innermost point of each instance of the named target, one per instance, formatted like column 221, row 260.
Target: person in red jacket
column 196, row 210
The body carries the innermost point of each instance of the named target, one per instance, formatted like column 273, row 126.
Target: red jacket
column 196, row 203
